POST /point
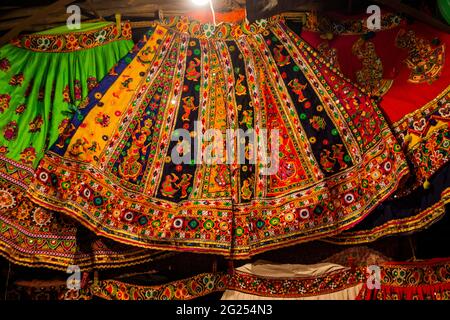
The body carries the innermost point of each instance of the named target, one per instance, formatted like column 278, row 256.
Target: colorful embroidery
column 31, row 235
column 187, row 289
column 370, row 77
column 66, row 94
column 34, row 236
column 28, row 155
column 296, row 287
column 7, row 200
column 4, row 102
column 223, row 31
column 16, row 80
column 10, row 131
column 36, row 124
column 92, row 83
column 331, row 54
column 21, row 108
column 74, row 41
column 124, row 182
column 427, row 280
column 418, row 221
column 4, row 64
column 102, row 119
column 425, row 60
column 426, row 136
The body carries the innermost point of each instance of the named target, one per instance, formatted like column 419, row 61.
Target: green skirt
column 44, row 78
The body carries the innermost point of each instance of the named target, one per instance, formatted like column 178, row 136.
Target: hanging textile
column 185, row 289
column 118, row 171
column 421, row 280
column 324, row 281
column 418, row 280
column 406, row 65
column 46, row 76
column 400, row 215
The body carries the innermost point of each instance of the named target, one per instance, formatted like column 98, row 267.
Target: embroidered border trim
column 297, row 287
column 186, row 289
column 420, row 221
column 74, row 41
column 100, row 260
column 224, row 31
column 425, row 134
column 427, row 280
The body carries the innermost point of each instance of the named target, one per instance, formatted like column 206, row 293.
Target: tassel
column 426, row 184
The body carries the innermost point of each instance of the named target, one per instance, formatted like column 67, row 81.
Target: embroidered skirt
column 307, row 154
column 44, row 78
column 406, row 65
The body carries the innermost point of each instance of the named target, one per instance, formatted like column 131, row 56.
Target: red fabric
column 415, row 280
column 426, row 292
column 404, row 97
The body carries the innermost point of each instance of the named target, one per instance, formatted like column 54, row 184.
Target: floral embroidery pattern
column 4, row 64
column 91, row 83
column 16, row 80
column 10, row 131
column 370, row 77
column 21, row 108
column 36, row 124
column 28, row 155
column 74, row 41
column 4, row 102
column 102, row 119
column 66, row 94
column 425, row 60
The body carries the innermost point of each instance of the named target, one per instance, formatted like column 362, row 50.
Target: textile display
column 403, row 215
column 412, row 58
column 324, row 281
column 419, row 280
column 428, row 279
column 185, row 289
column 217, row 143
column 406, row 65
column 129, row 170
column 46, row 76
column 424, row 280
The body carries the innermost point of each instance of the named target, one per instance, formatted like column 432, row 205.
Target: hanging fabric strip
column 426, row 280
column 323, row 281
